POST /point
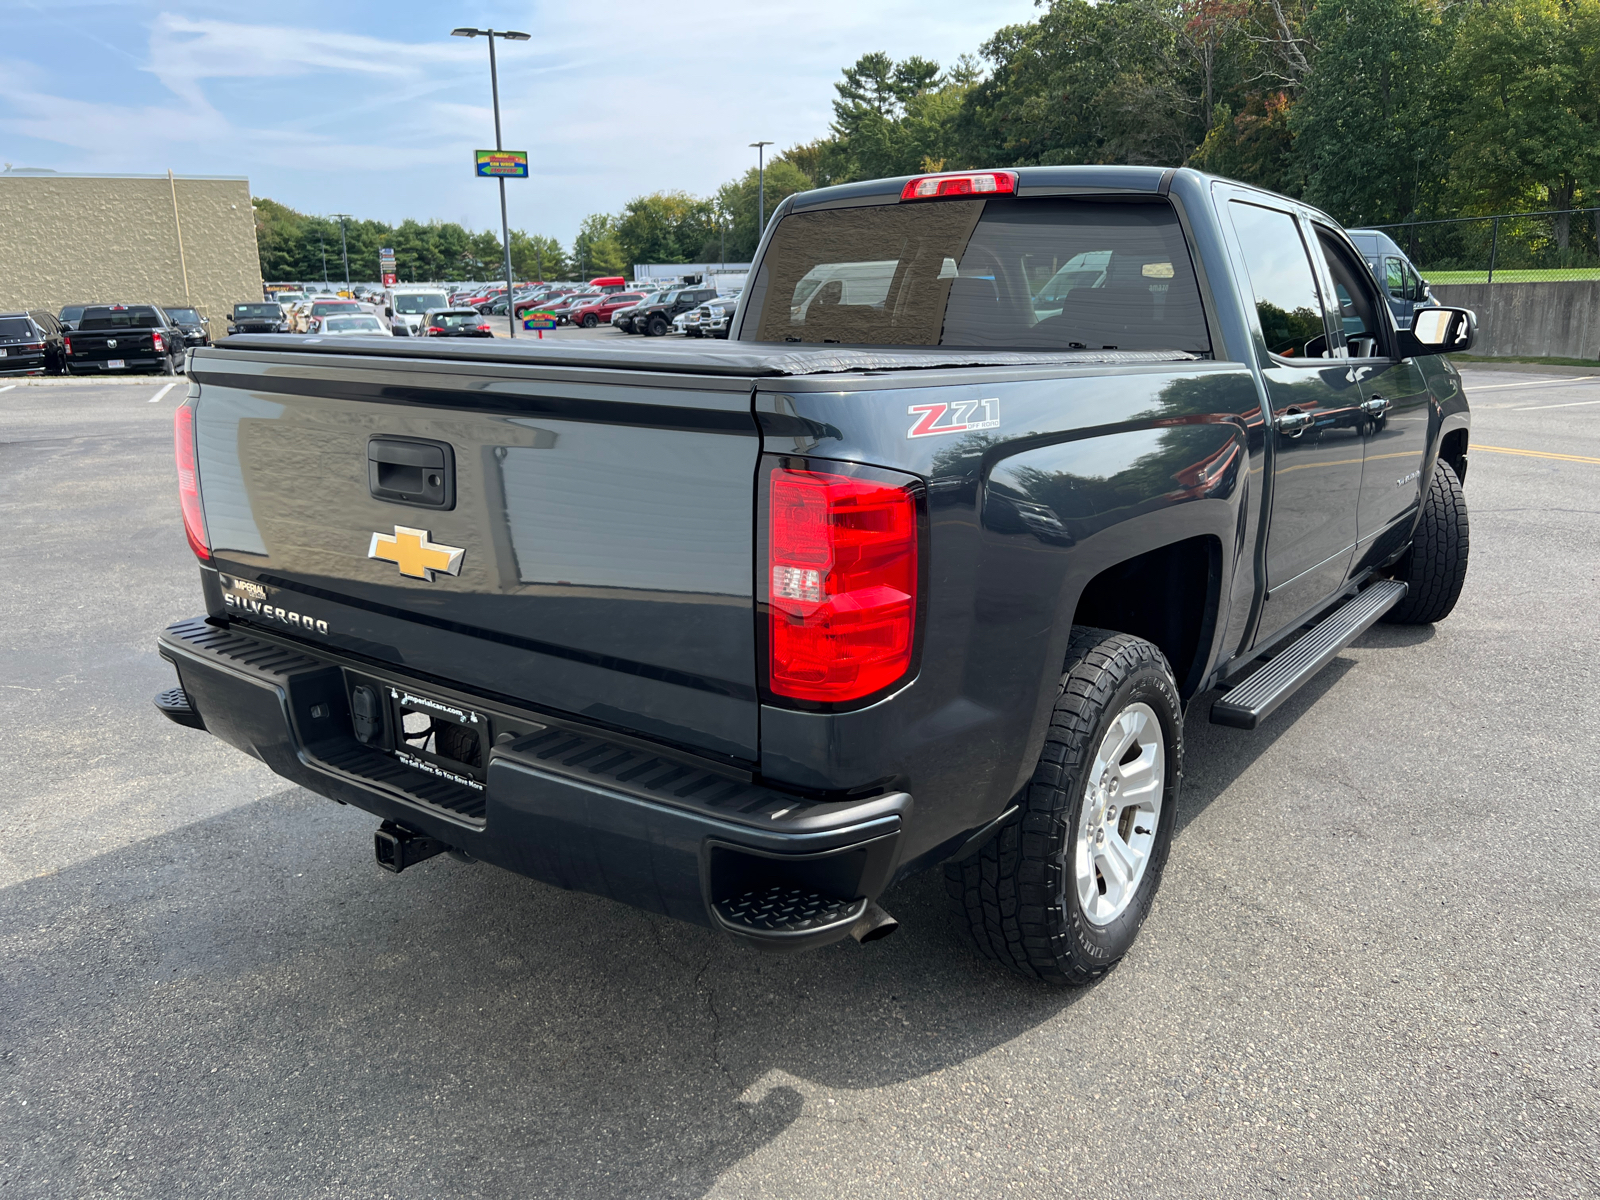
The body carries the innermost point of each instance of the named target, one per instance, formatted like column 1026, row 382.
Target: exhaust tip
column 873, row 925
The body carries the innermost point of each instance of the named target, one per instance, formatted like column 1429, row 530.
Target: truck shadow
column 251, row 999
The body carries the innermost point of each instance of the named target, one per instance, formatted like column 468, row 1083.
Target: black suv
column 30, row 344
column 192, row 324
column 654, row 320
column 257, row 318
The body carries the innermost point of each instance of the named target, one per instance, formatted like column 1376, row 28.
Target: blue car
column 1406, row 290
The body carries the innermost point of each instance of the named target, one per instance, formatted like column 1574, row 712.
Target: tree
column 740, row 200
column 1527, row 124
column 536, row 257
column 1366, row 128
column 597, row 250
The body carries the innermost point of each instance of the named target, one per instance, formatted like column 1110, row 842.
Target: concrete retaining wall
column 1531, row 320
column 80, row 239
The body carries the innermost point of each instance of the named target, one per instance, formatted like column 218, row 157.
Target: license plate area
column 116, row 363
column 437, row 737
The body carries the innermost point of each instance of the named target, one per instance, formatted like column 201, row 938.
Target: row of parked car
column 99, row 338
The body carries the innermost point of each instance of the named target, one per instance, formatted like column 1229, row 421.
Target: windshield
column 184, row 314
column 417, row 303
column 15, row 328
column 289, row 297
column 352, row 325
column 323, row 307
column 257, row 312
column 71, row 313
column 1043, row 274
column 139, row 317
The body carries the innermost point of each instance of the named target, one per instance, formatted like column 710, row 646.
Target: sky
column 374, row 110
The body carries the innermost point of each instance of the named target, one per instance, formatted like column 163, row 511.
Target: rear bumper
column 576, row 807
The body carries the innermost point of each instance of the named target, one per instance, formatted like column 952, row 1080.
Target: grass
column 1548, row 361
column 1509, row 275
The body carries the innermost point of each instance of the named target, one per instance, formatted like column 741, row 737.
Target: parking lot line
column 1551, row 381
column 1538, row 454
column 7, row 387
column 1568, row 404
column 162, row 392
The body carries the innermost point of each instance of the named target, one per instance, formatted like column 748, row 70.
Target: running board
column 1246, row 706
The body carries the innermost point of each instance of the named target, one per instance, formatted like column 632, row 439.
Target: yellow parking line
column 1538, row 454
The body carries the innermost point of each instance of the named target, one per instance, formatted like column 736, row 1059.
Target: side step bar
column 1247, row 705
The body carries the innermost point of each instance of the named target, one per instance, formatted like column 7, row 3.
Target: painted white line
column 162, row 392
column 1548, row 381
column 7, row 387
column 1569, row 404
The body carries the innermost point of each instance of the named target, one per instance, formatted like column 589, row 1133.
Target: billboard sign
column 539, row 321
column 503, row 164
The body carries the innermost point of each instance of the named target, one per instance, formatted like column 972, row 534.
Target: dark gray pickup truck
column 924, row 567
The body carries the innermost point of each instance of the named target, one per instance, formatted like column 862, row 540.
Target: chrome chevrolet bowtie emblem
column 415, row 555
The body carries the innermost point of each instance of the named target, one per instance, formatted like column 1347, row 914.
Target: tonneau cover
column 750, row 359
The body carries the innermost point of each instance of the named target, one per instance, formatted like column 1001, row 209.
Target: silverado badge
column 414, row 554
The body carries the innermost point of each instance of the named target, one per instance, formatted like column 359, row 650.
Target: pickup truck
column 743, row 633
column 114, row 338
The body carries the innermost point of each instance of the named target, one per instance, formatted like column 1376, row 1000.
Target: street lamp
column 761, row 193
column 344, row 248
column 510, row 35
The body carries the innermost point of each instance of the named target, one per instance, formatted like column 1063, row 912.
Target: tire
column 166, row 367
column 658, row 326
column 1020, row 895
column 1436, row 565
column 590, row 320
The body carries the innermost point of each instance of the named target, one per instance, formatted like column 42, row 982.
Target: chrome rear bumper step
column 1248, row 704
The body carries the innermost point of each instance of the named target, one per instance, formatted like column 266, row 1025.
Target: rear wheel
column 167, row 367
column 1435, row 568
column 657, row 326
column 590, row 320
column 1059, row 891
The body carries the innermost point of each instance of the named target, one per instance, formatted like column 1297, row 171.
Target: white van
column 409, row 303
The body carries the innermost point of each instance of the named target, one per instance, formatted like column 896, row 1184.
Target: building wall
column 79, row 239
column 1531, row 320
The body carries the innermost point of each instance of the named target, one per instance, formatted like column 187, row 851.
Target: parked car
column 593, row 312
column 989, row 568
column 31, row 343
column 258, row 318
column 623, row 318
column 1403, row 287
column 196, row 331
column 456, row 322
column 719, row 316
column 352, row 325
column 69, row 314
column 125, row 337
column 562, row 309
column 655, row 318
column 409, row 303
column 541, row 299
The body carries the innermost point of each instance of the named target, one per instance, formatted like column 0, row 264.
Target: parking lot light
column 761, row 187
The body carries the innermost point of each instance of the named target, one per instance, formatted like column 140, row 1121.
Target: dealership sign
column 503, row 164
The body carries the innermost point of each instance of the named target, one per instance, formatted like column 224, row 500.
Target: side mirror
column 205, row 320
column 1439, row 331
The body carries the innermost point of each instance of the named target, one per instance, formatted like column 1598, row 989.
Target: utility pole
column 510, row 35
column 761, row 187
column 345, row 250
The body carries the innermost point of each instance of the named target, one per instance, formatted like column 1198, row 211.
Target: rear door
column 603, row 521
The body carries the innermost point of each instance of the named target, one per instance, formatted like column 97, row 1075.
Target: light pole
column 510, row 35
column 344, row 248
column 761, row 187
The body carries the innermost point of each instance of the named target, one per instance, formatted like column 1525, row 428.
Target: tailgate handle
column 412, row 471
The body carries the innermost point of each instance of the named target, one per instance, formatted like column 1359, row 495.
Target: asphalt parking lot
column 1372, row 970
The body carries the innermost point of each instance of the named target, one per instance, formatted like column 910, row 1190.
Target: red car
column 595, row 311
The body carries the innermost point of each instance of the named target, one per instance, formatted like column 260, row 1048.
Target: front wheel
column 590, row 321
column 1435, row 568
column 658, row 326
column 1058, row 892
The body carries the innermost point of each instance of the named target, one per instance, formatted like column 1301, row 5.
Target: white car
column 350, row 325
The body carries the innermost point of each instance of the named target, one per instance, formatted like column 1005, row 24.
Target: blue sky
column 373, row 109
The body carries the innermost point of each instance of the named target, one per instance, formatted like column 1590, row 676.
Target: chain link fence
column 1559, row 244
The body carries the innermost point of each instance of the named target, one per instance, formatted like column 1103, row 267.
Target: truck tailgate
column 604, row 520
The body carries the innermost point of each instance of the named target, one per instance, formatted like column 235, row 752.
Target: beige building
column 136, row 239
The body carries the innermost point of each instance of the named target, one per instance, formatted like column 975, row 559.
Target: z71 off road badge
column 957, row 416
column 415, row 555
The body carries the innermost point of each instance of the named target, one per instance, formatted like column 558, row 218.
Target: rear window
column 140, row 316
column 323, row 307
column 1048, row 274
column 15, row 328
column 352, row 324
column 455, row 320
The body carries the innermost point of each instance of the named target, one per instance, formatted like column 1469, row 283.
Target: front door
column 1397, row 405
column 1316, row 419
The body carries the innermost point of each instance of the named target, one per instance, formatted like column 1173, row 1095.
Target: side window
column 1394, row 278
column 1359, row 303
column 1288, row 303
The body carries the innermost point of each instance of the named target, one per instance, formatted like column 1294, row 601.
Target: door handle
column 1293, row 423
column 1375, row 407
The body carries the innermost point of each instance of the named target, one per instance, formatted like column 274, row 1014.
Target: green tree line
column 1378, row 111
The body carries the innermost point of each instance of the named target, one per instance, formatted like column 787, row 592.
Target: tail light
column 485, row 328
column 194, row 516
column 960, row 183
column 157, row 343
column 68, row 342
column 842, row 584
